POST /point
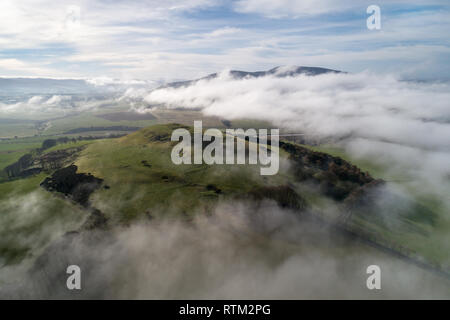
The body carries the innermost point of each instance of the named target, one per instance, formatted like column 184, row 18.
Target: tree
column 48, row 144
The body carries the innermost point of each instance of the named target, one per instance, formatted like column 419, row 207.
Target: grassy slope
column 63, row 146
column 163, row 187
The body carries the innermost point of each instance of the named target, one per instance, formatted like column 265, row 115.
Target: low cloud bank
column 403, row 126
column 274, row 255
column 40, row 104
column 61, row 96
column 50, row 106
column 381, row 108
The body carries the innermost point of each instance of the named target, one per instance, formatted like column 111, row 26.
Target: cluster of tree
column 109, row 136
column 227, row 123
column 336, row 177
column 53, row 160
column 283, row 195
column 49, row 143
column 16, row 168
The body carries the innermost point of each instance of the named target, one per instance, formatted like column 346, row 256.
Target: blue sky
column 166, row 40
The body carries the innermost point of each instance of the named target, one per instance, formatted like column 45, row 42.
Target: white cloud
column 40, row 106
column 17, row 67
column 224, row 31
column 152, row 40
column 300, row 8
column 42, row 21
column 35, row 100
column 57, row 99
column 393, row 120
column 105, row 81
column 293, row 8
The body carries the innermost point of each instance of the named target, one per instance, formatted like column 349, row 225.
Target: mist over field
column 36, row 98
column 238, row 251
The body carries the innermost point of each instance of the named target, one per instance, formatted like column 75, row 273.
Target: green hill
column 139, row 181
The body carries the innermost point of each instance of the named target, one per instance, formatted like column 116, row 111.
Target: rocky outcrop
column 77, row 186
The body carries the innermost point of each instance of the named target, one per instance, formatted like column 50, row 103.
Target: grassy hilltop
column 140, row 182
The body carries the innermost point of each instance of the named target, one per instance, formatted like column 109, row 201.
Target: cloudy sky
column 170, row 39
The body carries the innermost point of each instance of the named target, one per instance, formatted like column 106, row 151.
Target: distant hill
column 281, row 71
column 44, row 86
